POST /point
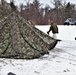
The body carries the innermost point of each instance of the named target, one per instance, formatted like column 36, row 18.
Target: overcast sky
column 44, row 2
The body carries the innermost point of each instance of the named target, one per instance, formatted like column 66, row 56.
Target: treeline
column 38, row 15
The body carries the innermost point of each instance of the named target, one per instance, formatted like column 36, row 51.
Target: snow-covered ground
column 60, row 61
column 65, row 32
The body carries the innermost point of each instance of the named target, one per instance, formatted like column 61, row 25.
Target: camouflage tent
column 18, row 39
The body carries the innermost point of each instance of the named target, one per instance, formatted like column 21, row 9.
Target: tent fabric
column 20, row 40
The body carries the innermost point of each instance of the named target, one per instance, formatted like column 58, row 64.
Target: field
column 60, row 61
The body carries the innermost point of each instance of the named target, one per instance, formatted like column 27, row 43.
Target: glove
column 47, row 32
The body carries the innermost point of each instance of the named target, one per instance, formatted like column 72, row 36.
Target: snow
column 60, row 61
column 65, row 32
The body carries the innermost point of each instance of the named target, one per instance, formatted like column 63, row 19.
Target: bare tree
column 12, row 5
column 69, row 9
column 57, row 4
column 21, row 8
column 47, row 14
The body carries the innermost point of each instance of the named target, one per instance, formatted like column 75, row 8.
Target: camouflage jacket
column 53, row 28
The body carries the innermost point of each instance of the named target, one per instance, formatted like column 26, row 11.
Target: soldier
column 54, row 30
